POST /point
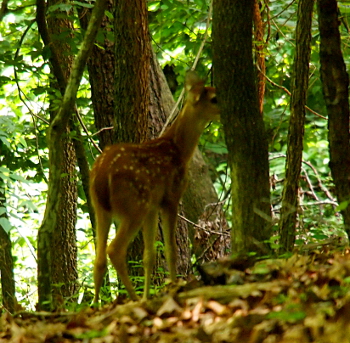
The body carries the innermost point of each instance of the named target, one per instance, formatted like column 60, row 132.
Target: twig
column 278, row 14
column 220, row 233
column 103, row 129
column 336, row 241
column 320, row 184
column 309, row 183
column 289, row 93
column 82, row 124
column 325, row 202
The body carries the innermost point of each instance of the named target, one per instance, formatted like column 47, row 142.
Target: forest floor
column 305, row 298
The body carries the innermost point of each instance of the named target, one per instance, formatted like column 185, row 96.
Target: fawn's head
column 202, row 100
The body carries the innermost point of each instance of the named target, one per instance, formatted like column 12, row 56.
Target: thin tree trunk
column 6, row 259
column 259, row 53
column 57, row 253
column 243, row 123
column 335, row 85
column 57, row 135
column 290, row 200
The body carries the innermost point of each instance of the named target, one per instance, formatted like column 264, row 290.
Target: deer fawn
column 132, row 183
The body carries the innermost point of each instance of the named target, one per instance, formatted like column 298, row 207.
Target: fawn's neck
column 185, row 132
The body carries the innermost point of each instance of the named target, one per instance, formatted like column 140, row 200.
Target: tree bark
column 6, row 259
column 243, row 123
column 132, row 66
column 259, row 45
column 335, row 84
column 300, row 81
column 101, row 67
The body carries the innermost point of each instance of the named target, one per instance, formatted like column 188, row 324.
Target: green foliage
column 177, row 34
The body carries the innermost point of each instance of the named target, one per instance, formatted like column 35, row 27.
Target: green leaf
column 342, row 206
column 4, row 170
column 5, row 79
column 63, row 7
column 23, row 141
column 109, row 15
column 344, row 8
column 83, row 4
column 46, row 53
column 289, row 315
column 217, row 148
column 5, row 224
column 18, row 177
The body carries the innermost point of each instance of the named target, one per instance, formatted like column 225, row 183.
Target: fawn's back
column 128, row 178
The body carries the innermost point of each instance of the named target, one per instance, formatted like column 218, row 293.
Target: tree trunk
column 132, row 66
column 259, row 46
column 101, row 67
column 57, row 253
column 300, row 81
column 131, row 81
column 243, row 123
column 6, row 259
column 335, row 84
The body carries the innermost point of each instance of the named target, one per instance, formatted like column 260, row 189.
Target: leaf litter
column 305, row 298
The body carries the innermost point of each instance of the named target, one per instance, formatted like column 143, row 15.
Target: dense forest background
column 181, row 37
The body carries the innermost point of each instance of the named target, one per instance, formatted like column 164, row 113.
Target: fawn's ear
column 194, row 86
